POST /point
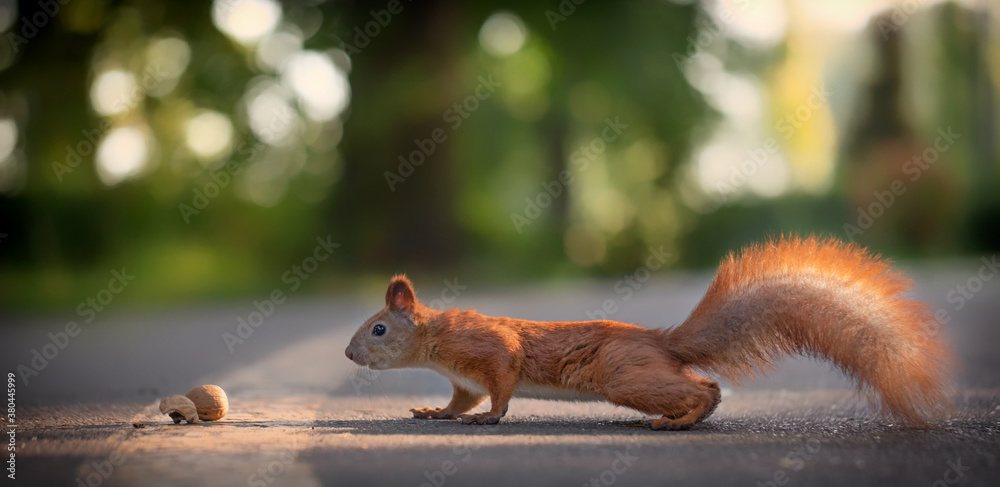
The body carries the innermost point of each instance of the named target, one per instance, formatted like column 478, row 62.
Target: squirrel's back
column 564, row 354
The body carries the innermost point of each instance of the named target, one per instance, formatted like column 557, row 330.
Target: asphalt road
column 302, row 414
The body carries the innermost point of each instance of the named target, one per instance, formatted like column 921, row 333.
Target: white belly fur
column 530, row 391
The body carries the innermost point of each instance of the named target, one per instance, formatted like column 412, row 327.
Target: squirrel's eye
column 378, row 330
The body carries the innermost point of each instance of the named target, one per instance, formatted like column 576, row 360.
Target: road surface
column 302, row 414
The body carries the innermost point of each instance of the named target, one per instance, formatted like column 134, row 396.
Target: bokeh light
column 316, row 101
column 269, row 108
column 8, row 137
column 209, row 135
column 761, row 22
column 277, row 48
column 502, row 34
column 8, row 14
column 246, row 21
column 265, row 181
column 123, row 154
column 585, row 245
column 320, row 86
column 168, row 58
column 112, row 92
column 11, row 164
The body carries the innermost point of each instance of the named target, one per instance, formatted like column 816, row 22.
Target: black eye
column 378, row 330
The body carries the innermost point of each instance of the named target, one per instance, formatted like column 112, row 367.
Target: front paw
column 481, row 418
column 428, row 412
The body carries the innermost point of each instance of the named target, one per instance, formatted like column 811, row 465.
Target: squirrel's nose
column 350, row 354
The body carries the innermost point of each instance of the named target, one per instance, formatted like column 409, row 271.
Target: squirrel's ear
column 400, row 295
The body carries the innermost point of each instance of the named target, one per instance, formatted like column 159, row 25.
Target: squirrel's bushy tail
column 820, row 298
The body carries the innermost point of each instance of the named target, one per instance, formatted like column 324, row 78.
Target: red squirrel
column 820, row 298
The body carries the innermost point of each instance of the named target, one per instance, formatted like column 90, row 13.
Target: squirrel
column 790, row 295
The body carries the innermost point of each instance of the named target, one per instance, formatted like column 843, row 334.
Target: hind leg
column 662, row 388
column 713, row 389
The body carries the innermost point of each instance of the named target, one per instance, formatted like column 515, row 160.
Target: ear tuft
column 400, row 296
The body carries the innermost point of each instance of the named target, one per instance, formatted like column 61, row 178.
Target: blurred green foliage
column 574, row 68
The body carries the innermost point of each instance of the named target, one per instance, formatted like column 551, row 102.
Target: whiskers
column 365, row 378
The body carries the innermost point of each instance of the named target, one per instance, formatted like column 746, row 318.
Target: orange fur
column 821, row 298
column 825, row 299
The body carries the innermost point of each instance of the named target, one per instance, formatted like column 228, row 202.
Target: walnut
column 211, row 402
column 179, row 407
